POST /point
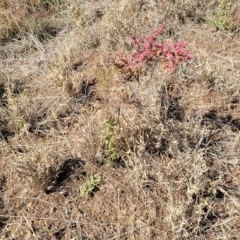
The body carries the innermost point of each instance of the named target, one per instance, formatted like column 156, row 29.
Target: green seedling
column 90, row 186
column 223, row 22
column 110, row 154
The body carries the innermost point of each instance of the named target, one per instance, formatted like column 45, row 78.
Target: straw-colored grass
column 165, row 144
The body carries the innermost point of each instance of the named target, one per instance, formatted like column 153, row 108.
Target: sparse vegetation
column 165, row 143
column 90, row 186
column 223, row 20
column 111, row 155
column 148, row 50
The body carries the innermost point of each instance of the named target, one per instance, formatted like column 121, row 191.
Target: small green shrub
column 90, row 186
column 222, row 21
column 110, row 153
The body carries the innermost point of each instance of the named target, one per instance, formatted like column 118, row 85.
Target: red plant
column 147, row 50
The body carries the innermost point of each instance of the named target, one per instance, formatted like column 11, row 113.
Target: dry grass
column 173, row 146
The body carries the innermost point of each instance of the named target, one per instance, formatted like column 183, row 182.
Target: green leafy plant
column 90, row 186
column 110, row 153
column 223, row 22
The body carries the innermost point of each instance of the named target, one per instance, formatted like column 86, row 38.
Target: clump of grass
column 91, row 185
column 29, row 17
column 39, row 171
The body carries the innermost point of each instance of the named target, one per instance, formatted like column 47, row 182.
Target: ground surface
column 165, row 145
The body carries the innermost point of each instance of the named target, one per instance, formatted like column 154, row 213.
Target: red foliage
column 147, row 49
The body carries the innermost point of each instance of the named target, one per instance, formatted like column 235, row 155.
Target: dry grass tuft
column 164, row 148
